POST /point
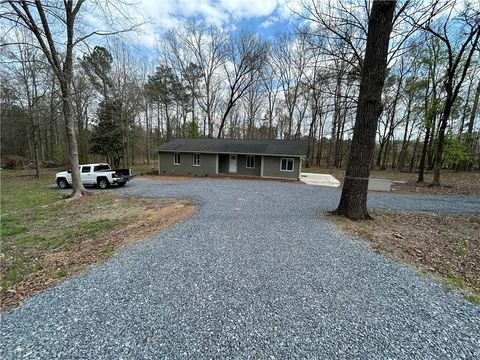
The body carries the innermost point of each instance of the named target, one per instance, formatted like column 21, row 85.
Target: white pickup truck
column 95, row 174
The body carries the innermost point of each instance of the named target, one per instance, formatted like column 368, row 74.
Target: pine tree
column 106, row 137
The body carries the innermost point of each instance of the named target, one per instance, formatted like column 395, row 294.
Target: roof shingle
column 228, row 146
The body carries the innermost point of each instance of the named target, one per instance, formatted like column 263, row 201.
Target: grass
column 473, row 298
column 453, row 282
column 46, row 238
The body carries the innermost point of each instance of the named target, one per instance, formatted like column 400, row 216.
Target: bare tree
column 269, row 81
column 252, row 106
column 31, row 73
column 246, row 58
column 208, row 46
column 290, row 60
column 460, row 50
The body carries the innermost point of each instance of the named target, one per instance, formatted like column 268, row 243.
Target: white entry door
column 233, row 164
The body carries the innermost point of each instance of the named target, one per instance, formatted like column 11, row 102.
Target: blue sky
column 265, row 17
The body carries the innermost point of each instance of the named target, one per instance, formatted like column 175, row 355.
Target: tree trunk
column 320, row 144
column 35, row 148
column 169, row 127
column 414, row 153
column 77, row 186
column 378, row 160
column 147, row 132
column 403, row 152
column 473, row 113
column 224, row 118
column 385, row 154
column 465, row 108
column 159, row 125
column 470, row 137
column 353, row 202
column 394, row 152
column 440, row 143
column 423, row 156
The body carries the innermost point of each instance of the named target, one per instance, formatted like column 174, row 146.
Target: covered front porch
column 239, row 164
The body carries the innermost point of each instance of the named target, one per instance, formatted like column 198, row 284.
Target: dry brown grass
column 139, row 221
column 453, row 183
column 46, row 238
column 445, row 245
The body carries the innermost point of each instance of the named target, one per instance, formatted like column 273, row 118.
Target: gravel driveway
column 255, row 273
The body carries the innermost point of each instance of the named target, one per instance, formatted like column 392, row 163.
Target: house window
column 250, row 162
column 196, row 159
column 286, row 164
column 176, row 159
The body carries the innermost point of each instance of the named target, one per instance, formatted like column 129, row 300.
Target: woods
column 65, row 93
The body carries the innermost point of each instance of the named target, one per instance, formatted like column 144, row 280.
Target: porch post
column 261, row 166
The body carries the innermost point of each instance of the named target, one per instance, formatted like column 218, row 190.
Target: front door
column 233, row 164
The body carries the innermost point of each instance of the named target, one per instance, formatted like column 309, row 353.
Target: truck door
column 86, row 175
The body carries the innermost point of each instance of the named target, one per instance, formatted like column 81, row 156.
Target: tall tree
column 107, row 133
column 162, row 88
column 246, row 55
column 460, row 50
column 208, row 46
column 38, row 19
column 53, row 25
column 353, row 202
column 98, row 66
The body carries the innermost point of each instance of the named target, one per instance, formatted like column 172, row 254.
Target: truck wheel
column 103, row 183
column 62, row 183
column 121, row 184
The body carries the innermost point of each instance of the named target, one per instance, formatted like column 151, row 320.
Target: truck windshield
column 101, row 167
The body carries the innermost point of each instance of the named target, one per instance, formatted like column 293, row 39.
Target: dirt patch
column 141, row 219
column 445, row 245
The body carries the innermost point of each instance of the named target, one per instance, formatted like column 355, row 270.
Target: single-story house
column 280, row 159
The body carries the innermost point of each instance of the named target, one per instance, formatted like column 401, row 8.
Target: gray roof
column 229, row 146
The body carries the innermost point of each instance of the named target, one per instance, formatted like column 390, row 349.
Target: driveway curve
column 255, row 273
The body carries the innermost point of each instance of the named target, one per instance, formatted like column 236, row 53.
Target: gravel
column 255, row 273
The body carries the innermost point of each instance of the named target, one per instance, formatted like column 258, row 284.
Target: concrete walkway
column 255, row 273
column 319, row 179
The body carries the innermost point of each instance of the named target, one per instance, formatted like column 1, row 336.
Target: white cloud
column 159, row 15
column 165, row 13
column 269, row 22
column 249, row 8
